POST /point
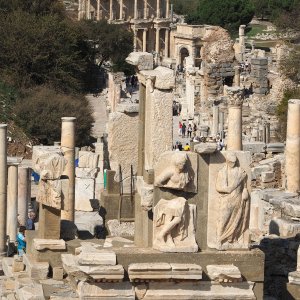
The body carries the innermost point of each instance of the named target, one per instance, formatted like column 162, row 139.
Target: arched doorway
column 183, row 54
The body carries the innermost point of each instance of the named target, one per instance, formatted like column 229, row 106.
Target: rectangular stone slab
column 221, row 272
column 36, row 270
column 97, row 258
column 51, row 244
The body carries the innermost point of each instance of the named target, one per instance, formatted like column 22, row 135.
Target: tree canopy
column 229, row 14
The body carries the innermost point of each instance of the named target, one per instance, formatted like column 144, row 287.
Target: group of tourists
column 187, row 131
column 179, row 147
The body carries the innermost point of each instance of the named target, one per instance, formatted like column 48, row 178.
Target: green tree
column 183, row 7
column 37, row 50
column 40, row 110
column 229, row 14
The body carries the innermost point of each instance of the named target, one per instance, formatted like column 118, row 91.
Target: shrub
column 39, row 113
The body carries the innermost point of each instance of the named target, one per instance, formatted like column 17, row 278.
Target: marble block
column 84, row 194
column 86, row 172
column 229, row 200
column 88, row 159
column 36, row 270
column 99, row 257
column 43, row 244
column 224, row 273
column 31, row 292
column 177, row 170
column 174, row 226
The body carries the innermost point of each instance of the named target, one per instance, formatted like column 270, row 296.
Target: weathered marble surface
column 177, row 170
column 229, row 200
column 174, row 226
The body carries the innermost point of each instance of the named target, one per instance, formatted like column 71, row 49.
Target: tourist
column 195, row 130
column 190, row 130
column 183, row 129
column 187, row 147
column 21, row 241
column 180, row 146
column 180, row 129
column 30, row 221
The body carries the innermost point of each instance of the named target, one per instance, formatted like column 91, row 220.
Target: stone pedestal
column 49, row 224
column 3, row 185
column 68, row 148
column 24, row 193
column 235, row 102
column 293, row 147
column 12, row 203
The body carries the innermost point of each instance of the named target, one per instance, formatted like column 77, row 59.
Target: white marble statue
column 175, row 176
column 234, row 201
column 174, row 226
column 51, row 167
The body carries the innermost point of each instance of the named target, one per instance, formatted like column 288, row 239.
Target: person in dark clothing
column 183, row 129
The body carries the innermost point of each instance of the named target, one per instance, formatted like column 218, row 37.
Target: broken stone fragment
column 43, row 244
column 224, row 273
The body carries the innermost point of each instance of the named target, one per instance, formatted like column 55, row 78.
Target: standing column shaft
column 145, row 9
column 145, row 40
column 110, row 10
column 98, row 9
column 237, row 76
column 24, row 185
column 221, row 124
column 88, row 11
column 121, row 9
column 12, row 203
column 157, row 9
column 135, row 9
column 157, row 41
column 68, row 148
column 293, row 147
column 235, row 102
column 167, row 9
column 167, row 42
column 242, row 40
column 215, row 120
column 134, row 39
column 3, row 186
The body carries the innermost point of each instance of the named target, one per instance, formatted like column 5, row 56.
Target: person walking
column 190, row 130
column 21, row 241
column 180, row 129
column 183, row 129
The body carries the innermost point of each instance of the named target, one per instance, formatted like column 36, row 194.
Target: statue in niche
column 51, row 168
column 174, row 229
column 234, row 199
column 175, row 176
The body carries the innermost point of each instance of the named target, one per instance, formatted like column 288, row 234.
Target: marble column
column 98, row 9
column 12, row 202
column 110, row 10
column 135, row 40
column 215, row 127
column 145, row 9
column 167, row 9
column 235, row 102
column 135, row 9
column 157, row 41
column 68, row 148
column 24, row 193
column 88, row 10
column 145, row 40
column 292, row 151
column 221, row 124
column 237, row 76
column 121, row 9
column 167, row 42
column 157, row 9
column 3, row 186
column 242, row 40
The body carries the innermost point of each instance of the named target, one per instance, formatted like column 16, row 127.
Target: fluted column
column 3, row 186
column 135, row 9
column 12, row 202
column 145, row 9
column 292, row 151
column 167, row 9
column 121, row 9
column 145, row 40
column 157, row 41
column 157, row 9
column 167, row 42
column 68, row 148
column 235, row 103
column 110, row 10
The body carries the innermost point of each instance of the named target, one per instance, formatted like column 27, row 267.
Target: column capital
column 234, row 96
